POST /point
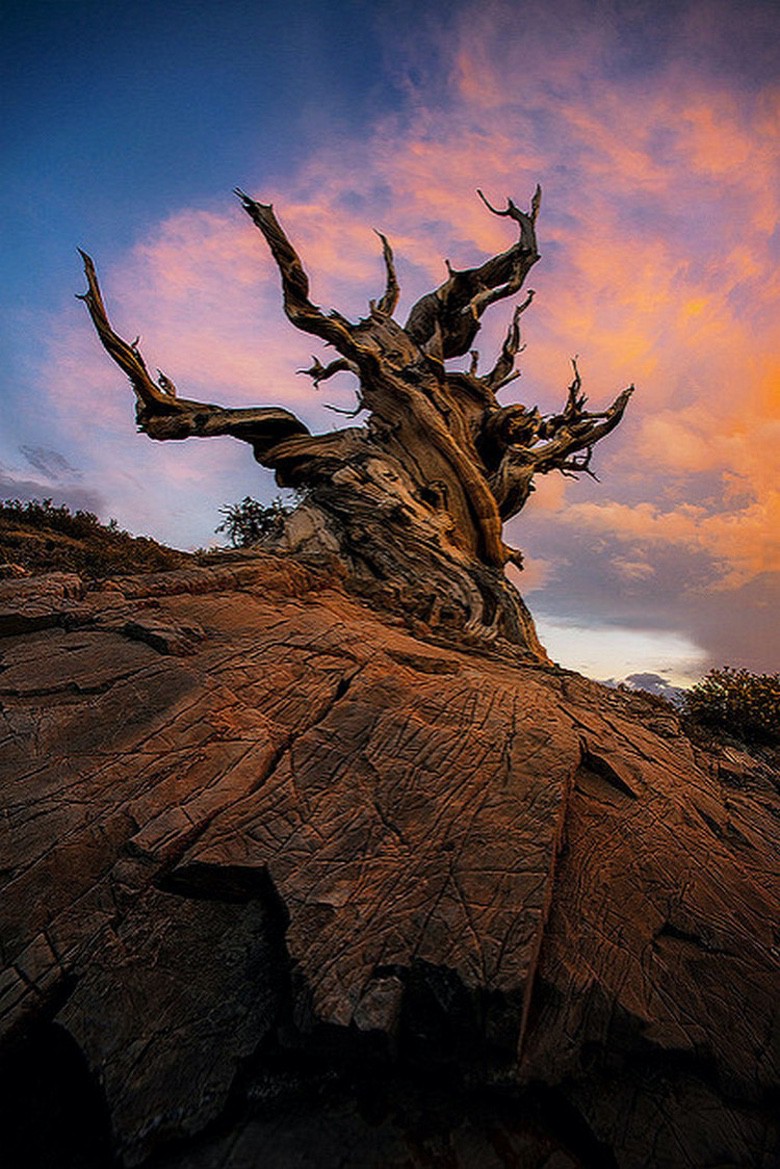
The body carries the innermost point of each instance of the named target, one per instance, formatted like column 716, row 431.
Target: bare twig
column 320, row 373
column 389, row 298
column 501, row 373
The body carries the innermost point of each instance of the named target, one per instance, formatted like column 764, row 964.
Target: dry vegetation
column 37, row 537
column 736, row 703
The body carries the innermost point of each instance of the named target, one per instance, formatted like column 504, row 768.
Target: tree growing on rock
column 412, row 502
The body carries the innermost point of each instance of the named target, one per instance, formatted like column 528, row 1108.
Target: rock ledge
column 286, row 884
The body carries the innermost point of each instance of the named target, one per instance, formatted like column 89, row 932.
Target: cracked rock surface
column 285, row 884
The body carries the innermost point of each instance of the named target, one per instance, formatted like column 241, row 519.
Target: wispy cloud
column 49, row 462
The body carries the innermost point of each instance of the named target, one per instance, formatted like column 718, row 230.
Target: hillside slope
column 37, row 537
column 285, row 883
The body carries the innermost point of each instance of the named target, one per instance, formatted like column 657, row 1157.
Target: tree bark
column 411, row 503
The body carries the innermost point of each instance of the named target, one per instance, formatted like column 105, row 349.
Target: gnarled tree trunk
column 412, row 503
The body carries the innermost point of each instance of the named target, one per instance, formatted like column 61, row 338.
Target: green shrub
column 250, row 522
column 736, row 702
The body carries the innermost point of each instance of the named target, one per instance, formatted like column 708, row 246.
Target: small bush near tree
column 736, row 702
column 250, row 522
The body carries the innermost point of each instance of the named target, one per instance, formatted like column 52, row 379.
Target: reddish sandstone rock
column 274, row 865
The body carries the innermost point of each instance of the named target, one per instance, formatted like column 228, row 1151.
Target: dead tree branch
column 389, row 299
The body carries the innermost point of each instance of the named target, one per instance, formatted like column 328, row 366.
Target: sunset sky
column 654, row 130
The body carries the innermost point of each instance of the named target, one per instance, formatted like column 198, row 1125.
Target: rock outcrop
column 288, row 883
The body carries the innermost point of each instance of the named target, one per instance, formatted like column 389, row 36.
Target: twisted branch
column 300, row 311
column 151, row 398
column 445, row 322
column 502, row 372
column 549, row 444
column 161, row 414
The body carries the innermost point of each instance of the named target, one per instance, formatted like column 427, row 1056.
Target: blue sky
column 654, row 130
column 123, row 111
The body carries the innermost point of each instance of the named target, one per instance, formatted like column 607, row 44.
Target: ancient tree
column 413, row 501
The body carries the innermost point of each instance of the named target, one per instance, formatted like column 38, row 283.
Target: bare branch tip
column 345, row 413
column 490, row 206
column 89, row 270
column 523, row 305
column 249, row 203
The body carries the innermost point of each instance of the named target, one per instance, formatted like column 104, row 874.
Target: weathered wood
column 415, row 499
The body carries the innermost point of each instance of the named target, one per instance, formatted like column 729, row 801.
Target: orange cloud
column 744, row 542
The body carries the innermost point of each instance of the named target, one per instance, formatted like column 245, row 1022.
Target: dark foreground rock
column 287, row 885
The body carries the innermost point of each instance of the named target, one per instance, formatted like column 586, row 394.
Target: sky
column 654, row 131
